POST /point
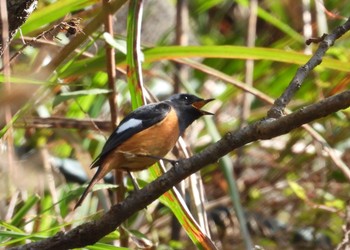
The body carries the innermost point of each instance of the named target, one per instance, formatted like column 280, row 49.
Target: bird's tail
column 98, row 176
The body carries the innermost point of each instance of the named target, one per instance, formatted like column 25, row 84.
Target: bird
column 146, row 135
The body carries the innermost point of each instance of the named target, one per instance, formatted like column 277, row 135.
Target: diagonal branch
column 91, row 232
column 327, row 41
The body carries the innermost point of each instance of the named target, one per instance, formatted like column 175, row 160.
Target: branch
column 91, row 232
column 280, row 104
column 64, row 122
column 344, row 245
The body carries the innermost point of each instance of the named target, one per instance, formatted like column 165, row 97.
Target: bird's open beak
column 198, row 105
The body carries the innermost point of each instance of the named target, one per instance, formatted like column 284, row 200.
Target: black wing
column 136, row 121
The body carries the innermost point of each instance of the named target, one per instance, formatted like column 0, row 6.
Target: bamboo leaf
column 134, row 70
column 223, row 52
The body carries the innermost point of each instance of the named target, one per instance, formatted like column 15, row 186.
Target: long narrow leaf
column 134, row 70
column 226, row 52
column 24, row 209
column 173, row 200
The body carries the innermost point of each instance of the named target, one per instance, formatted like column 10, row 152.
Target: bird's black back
column 144, row 117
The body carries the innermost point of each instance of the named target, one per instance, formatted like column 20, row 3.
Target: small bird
column 146, row 135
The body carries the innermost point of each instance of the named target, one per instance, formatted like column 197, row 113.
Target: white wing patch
column 132, row 123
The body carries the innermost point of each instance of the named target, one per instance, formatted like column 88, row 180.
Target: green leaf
column 21, row 80
column 18, row 237
column 224, row 52
column 134, row 71
column 298, row 190
column 22, row 212
column 74, row 94
column 115, row 43
column 173, row 200
column 11, row 227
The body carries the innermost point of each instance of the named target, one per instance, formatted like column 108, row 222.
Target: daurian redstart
column 146, row 135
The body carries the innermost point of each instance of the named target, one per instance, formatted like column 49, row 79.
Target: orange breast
column 156, row 141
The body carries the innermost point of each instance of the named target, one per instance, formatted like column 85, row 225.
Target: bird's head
column 190, row 102
column 188, row 108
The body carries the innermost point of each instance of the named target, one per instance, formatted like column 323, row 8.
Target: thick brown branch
column 91, row 232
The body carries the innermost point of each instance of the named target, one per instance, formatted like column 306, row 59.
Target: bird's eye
column 186, row 99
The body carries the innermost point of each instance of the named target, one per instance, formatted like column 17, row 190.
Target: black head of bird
column 188, row 108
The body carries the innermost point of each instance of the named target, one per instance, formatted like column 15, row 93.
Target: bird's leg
column 134, row 182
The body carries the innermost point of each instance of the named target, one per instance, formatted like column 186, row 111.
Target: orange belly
column 133, row 155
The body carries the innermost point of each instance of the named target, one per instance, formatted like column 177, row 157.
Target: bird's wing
column 136, row 121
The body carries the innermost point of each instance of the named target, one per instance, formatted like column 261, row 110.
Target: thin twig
column 111, row 71
column 249, row 65
column 64, row 122
column 45, row 158
column 344, row 244
column 280, row 104
column 110, row 63
column 181, row 39
column 181, row 73
column 244, row 114
column 91, row 27
column 71, row 27
column 7, row 73
column 315, row 39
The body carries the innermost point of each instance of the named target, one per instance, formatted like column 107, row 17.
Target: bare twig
column 7, row 73
column 329, row 13
column 111, row 71
column 280, row 104
column 91, row 232
column 71, row 27
column 64, row 122
column 244, row 114
column 196, row 189
column 181, row 39
column 249, row 65
column 79, row 39
column 45, row 158
column 110, row 62
column 315, row 39
column 344, row 245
